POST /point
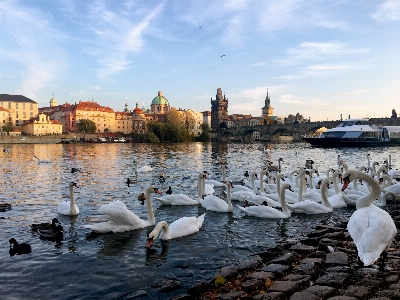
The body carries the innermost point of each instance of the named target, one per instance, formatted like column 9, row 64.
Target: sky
column 319, row 58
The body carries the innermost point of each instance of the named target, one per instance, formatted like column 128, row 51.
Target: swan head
column 73, row 184
column 149, row 242
column 13, row 241
column 348, row 177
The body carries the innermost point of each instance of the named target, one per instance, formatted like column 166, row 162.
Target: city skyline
column 317, row 58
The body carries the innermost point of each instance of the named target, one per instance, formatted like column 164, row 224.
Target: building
column 20, row 108
column 207, row 118
column 266, row 111
column 192, row 120
column 41, row 125
column 139, row 120
column 160, row 104
column 219, row 111
column 123, row 123
column 5, row 116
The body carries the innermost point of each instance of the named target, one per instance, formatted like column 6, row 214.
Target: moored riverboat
column 357, row 133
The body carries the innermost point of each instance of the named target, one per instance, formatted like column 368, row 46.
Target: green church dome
column 160, row 100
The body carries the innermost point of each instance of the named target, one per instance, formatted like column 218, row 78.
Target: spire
column 137, row 103
column 126, row 105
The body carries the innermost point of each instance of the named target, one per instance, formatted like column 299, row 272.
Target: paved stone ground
column 322, row 266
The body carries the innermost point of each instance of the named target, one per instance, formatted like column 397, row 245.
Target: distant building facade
column 20, row 108
column 41, row 125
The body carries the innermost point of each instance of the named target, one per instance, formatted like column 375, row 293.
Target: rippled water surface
column 109, row 266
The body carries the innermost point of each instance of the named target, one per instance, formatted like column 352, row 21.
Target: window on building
column 31, row 106
column 9, row 104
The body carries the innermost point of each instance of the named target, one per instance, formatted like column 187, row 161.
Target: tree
column 394, row 114
column 204, row 136
column 8, row 127
column 86, row 126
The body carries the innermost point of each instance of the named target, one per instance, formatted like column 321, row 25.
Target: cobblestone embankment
column 324, row 265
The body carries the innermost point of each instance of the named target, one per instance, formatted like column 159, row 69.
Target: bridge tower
column 219, row 111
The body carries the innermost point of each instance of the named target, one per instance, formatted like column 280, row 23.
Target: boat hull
column 341, row 142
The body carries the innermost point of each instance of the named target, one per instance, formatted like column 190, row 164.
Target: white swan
column 311, row 207
column 121, row 219
column 262, row 211
column 69, row 208
column 371, row 228
column 142, row 169
column 181, row 199
column 206, row 189
column 214, row 203
column 181, row 227
column 42, row 161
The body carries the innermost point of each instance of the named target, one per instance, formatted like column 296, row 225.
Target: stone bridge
column 296, row 130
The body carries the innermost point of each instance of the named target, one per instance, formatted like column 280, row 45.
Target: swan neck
column 374, row 192
column 324, row 193
column 161, row 226
column 200, row 185
column 71, row 196
column 230, row 207
column 282, row 199
column 335, row 185
column 150, row 212
column 252, row 183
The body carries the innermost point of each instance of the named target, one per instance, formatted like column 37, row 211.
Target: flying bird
column 223, row 55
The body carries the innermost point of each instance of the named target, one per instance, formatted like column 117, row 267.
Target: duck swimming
column 19, row 249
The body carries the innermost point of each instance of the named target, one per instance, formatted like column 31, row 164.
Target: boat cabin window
column 332, row 134
column 353, row 122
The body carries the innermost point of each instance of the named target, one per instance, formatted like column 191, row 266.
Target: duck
column 75, row 170
column 121, row 219
column 129, row 181
column 56, row 233
column 19, row 249
column 179, row 228
column 181, row 199
column 142, row 197
column 311, row 207
column 5, row 206
column 45, row 226
column 214, row 203
column 169, row 191
column 262, row 211
column 371, row 228
column 69, row 208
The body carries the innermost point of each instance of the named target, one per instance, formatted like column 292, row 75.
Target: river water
column 111, row 266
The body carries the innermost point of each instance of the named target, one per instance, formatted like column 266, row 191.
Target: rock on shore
column 324, row 265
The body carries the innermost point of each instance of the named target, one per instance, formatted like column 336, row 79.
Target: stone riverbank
column 324, row 265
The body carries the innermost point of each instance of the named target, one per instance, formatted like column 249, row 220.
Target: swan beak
column 76, row 185
column 346, row 182
column 149, row 243
column 157, row 191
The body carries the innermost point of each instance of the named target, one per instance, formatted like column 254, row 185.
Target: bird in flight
column 223, row 55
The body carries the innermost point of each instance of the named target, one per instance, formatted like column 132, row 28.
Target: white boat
column 357, row 133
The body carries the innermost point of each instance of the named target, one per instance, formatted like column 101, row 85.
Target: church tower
column 267, row 110
column 219, row 111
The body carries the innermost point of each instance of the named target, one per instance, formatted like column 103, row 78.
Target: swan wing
column 262, row 211
column 309, row 207
column 185, row 226
column 214, row 203
column 177, row 199
column 372, row 230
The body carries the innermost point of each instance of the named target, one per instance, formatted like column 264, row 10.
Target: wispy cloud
column 35, row 50
column 387, row 11
column 117, row 34
column 315, row 51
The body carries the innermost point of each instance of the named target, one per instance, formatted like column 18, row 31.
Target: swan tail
column 200, row 220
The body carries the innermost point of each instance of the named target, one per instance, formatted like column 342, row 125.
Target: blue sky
column 318, row 58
